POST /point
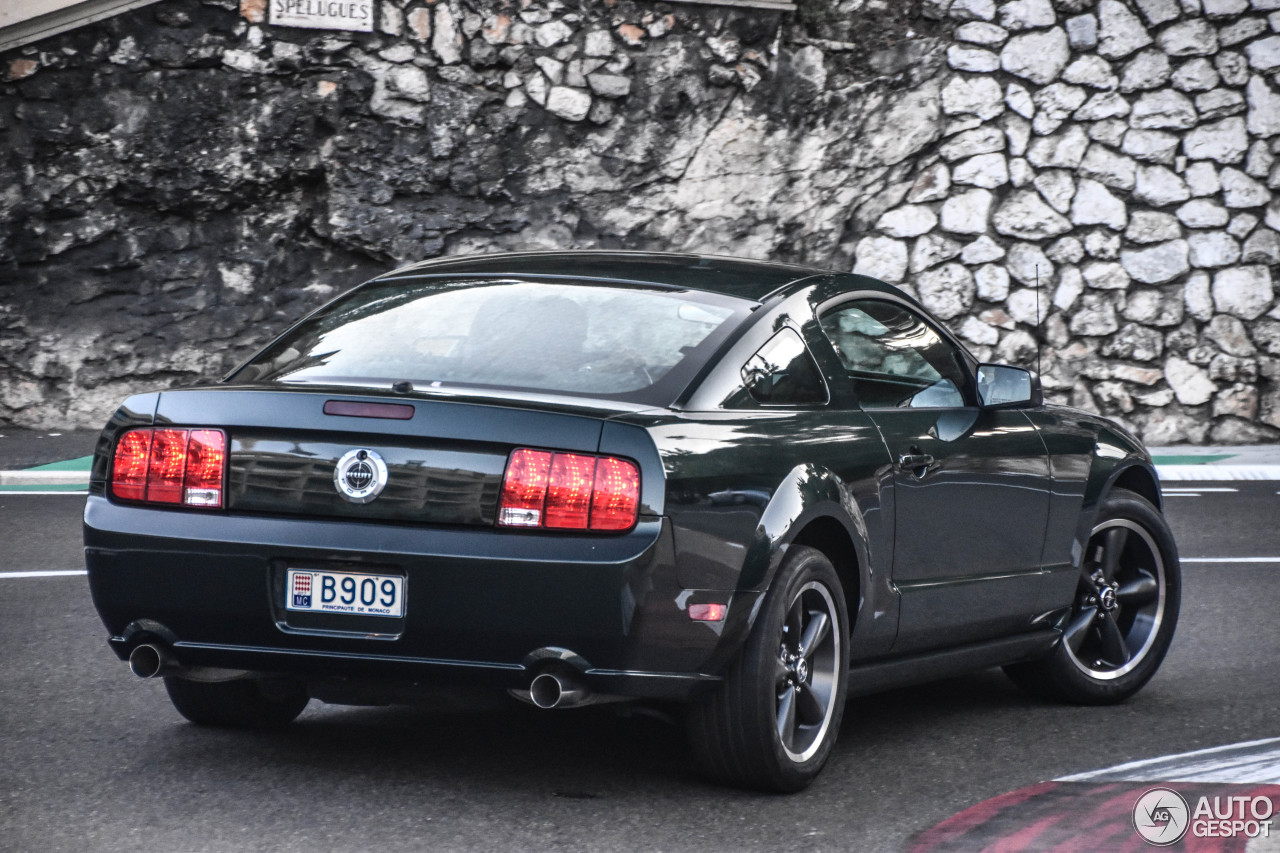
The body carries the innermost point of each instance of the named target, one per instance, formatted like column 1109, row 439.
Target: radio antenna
column 1039, row 345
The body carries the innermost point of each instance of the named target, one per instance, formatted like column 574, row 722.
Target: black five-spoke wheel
column 772, row 722
column 806, row 675
column 1120, row 601
column 1125, row 610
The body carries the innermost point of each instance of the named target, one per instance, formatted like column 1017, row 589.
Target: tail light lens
column 168, row 464
column 206, row 464
column 524, row 488
column 569, row 491
column 616, row 495
column 129, row 468
column 185, row 467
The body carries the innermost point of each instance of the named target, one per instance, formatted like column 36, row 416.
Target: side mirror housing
column 1004, row 385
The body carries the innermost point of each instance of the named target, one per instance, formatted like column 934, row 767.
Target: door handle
column 917, row 463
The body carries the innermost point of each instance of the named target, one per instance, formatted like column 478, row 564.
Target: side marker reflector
column 708, row 612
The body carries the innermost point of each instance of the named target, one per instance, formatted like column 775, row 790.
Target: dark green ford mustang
column 748, row 488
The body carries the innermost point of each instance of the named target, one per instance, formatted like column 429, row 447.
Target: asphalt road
column 93, row 759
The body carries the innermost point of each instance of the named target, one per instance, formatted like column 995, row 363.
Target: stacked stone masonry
column 1095, row 176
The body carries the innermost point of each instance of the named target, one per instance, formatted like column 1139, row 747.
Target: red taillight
column 569, row 494
column 129, row 468
column 206, row 461
column 524, row 488
column 569, row 491
column 170, row 466
column 616, row 496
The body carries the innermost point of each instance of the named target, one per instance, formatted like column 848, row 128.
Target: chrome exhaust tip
column 556, row 690
column 148, row 661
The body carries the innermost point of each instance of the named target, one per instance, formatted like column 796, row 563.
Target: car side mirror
column 1003, row 385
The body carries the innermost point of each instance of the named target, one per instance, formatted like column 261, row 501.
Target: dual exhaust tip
column 150, row 661
column 558, row 690
column 549, row 689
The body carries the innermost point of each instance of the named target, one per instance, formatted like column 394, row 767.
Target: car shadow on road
column 571, row 753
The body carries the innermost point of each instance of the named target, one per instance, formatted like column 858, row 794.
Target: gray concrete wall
column 178, row 183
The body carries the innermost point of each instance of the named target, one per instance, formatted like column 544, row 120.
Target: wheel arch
column 828, row 535
column 813, row 507
column 1133, row 473
column 1138, row 478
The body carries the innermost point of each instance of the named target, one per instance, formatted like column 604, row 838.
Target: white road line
column 1183, row 495
column 4, row 492
column 49, row 574
column 41, row 478
column 1229, row 559
column 1197, row 489
column 1254, row 762
column 1211, row 473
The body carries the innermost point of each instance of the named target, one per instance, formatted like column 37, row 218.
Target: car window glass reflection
column 573, row 338
column 782, row 372
column 893, row 358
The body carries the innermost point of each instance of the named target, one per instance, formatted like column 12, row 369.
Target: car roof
column 740, row 277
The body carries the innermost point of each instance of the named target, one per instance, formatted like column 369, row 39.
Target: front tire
column 772, row 723
column 1124, row 614
column 242, row 704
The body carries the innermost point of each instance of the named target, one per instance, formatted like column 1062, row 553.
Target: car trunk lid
column 444, row 457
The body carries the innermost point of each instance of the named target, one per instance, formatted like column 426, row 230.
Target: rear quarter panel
column 741, row 486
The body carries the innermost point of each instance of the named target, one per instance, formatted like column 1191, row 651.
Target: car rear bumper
column 481, row 605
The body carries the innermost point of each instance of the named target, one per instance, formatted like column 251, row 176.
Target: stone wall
column 179, row 182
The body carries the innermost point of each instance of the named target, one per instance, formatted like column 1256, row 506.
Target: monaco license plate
column 345, row 592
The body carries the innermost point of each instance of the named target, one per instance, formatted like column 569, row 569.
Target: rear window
column 623, row 342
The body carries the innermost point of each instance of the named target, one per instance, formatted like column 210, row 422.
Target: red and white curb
column 1220, row 800
column 1253, row 762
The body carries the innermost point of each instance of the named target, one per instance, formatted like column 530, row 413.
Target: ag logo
column 1161, row 816
column 361, row 476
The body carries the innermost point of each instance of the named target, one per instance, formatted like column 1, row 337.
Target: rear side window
column 783, row 373
column 608, row 341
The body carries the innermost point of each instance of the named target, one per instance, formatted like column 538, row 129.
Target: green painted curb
column 84, row 463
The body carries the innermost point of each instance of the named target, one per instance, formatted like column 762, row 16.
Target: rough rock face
column 179, row 182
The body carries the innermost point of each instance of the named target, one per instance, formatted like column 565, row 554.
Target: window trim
column 968, row 364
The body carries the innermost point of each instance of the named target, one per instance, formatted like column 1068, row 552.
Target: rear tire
column 242, row 704
column 772, row 723
column 1124, row 614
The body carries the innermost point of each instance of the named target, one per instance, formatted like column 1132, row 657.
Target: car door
column 971, row 484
